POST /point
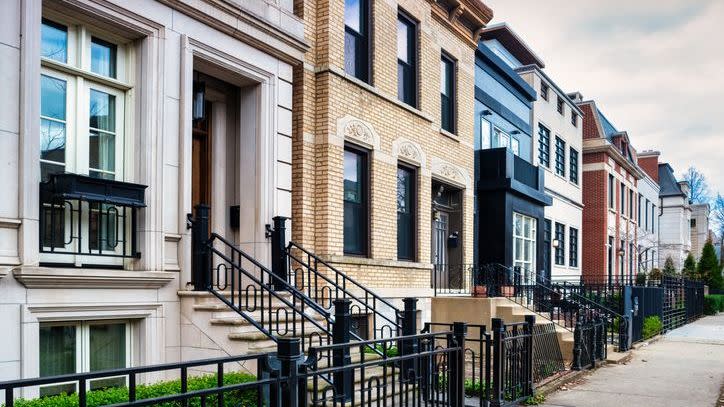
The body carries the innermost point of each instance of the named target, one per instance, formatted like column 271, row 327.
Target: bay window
column 76, row 347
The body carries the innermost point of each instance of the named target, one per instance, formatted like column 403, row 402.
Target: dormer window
column 574, row 119
column 560, row 105
column 544, row 91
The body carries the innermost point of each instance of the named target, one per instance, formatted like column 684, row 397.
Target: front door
column 440, row 232
column 547, row 250
column 201, row 161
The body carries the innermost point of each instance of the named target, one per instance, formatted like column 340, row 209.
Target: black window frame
column 449, row 100
column 631, row 204
column 573, row 247
column 412, row 245
column 640, row 202
column 622, row 200
column 560, row 106
column 544, row 90
column 560, row 250
column 611, row 192
column 574, row 119
column 362, row 66
column 364, row 233
column 407, row 71
column 560, row 154
column 544, row 146
column 573, row 165
column 646, row 214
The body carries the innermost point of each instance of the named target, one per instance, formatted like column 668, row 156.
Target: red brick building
column 610, row 177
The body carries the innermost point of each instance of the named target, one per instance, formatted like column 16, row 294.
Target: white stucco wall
column 167, row 47
column 674, row 233
column 648, row 238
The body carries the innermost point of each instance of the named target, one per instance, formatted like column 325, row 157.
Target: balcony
column 82, row 216
column 500, row 169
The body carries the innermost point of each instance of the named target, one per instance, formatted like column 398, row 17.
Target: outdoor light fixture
column 487, row 112
column 556, row 243
column 198, row 109
column 621, row 252
column 515, row 132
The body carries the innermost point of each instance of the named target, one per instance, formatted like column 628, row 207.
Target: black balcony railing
column 525, row 172
column 80, row 215
column 500, row 167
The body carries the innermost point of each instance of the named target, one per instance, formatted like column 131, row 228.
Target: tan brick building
column 358, row 130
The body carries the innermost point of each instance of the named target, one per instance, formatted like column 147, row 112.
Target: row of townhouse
column 405, row 140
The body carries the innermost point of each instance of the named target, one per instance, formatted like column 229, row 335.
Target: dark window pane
column 447, row 94
column 403, row 36
column 355, row 202
column 405, row 214
column 544, row 146
column 560, row 157
column 406, row 60
column 560, row 249
column 353, row 14
column 573, row 249
column 573, row 166
column 54, row 41
column 103, row 58
column 57, row 350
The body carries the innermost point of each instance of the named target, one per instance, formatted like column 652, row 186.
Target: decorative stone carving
column 358, row 131
column 451, row 173
column 408, row 151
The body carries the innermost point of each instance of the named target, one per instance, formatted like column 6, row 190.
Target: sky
column 654, row 67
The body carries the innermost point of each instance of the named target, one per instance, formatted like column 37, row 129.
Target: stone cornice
column 47, row 277
column 603, row 146
column 247, row 27
column 472, row 10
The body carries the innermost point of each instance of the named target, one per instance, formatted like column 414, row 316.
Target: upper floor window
column 356, row 201
column 544, row 91
column 81, row 117
column 544, row 146
column 574, row 119
column 406, row 194
column 646, row 213
column 560, row 105
column 641, row 199
column 356, row 39
column 622, row 208
column 560, row 157
column 631, row 203
column 560, row 248
column 447, row 93
column 406, row 60
column 573, row 167
column 653, row 218
column 611, row 191
column 503, row 139
column 573, row 247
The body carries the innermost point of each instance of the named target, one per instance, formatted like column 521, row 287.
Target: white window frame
column 527, row 265
column 80, row 80
column 82, row 347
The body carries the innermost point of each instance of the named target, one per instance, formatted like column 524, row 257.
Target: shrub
column 713, row 303
column 652, row 326
column 709, row 268
column 655, row 274
column 641, row 278
column 242, row 398
column 389, row 351
column 669, row 269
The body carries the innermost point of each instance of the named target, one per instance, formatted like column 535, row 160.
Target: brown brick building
column 383, row 109
column 610, row 177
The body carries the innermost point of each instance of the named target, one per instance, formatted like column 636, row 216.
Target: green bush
column 713, row 303
column 652, row 326
column 238, row 398
column 390, row 352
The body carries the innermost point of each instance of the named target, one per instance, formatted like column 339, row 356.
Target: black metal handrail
column 323, row 289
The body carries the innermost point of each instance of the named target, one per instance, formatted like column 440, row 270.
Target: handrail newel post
column 201, row 258
column 498, row 398
column 289, row 353
column 343, row 379
column 279, row 263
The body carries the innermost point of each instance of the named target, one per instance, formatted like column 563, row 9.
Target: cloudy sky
column 655, row 68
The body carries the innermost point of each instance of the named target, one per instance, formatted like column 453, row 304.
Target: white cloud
column 655, row 67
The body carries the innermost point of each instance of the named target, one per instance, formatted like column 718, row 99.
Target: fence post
column 497, row 398
column 201, row 259
column 530, row 320
column 624, row 336
column 290, row 356
column 456, row 379
column 343, row 379
column 577, row 346
column 410, row 346
column 279, row 252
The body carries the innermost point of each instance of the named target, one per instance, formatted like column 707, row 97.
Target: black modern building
column 510, row 226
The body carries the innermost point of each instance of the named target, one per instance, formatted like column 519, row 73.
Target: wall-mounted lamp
column 487, row 112
column 515, row 132
column 556, row 243
column 621, row 252
column 198, row 109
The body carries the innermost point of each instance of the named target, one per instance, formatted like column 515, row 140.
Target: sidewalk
column 683, row 369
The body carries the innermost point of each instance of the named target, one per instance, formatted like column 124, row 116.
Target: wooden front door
column 201, row 161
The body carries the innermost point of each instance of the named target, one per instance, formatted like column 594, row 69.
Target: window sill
column 365, row 261
column 46, row 277
column 449, row 135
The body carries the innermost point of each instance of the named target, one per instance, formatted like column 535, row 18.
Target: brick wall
column 595, row 223
column 650, row 164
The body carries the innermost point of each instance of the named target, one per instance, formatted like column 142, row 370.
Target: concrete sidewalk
column 683, row 369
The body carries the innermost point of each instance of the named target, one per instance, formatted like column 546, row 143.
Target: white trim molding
column 358, row 132
column 450, row 173
column 46, row 277
column 409, row 152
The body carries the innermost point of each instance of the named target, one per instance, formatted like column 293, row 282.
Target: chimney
column 684, row 185
column 648, row 160
column 576, row 97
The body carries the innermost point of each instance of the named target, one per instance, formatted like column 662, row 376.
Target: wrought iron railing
column 85, row 216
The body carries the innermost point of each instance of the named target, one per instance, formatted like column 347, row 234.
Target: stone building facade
column 674, row 218
column 139, row 103
column 648, row 212
column 378, row 146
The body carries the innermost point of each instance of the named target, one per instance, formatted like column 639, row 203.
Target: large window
column 573, row 247
column 631, row 203
column 544, row 146
column 646, row 213
column 560, row 157
column 560, row 247
column 641, row 201
column 81, row 114
column 611, row 191
column 447, row 93
column 356, row 202
column 356, row 39
column 622, row 191
column 406, row 60
column 573, row 166
column 75, row 347
column 483, row 141
column 406, row 209
column 524, row 244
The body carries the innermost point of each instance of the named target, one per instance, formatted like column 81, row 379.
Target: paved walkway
column 683, row 369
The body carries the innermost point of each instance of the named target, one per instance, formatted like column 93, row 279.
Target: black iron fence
column 589, row 345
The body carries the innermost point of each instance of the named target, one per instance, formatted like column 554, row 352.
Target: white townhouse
column 117, row 117
column 558, row 140
column 647, row 238
column 674, row 218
